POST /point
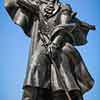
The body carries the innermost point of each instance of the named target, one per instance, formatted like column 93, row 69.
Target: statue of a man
column 55, row 68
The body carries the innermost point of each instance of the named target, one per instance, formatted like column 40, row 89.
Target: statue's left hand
column 52, row 49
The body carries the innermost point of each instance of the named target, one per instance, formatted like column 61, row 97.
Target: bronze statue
column 55, row 68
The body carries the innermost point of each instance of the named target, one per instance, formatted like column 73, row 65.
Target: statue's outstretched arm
column 20, row 15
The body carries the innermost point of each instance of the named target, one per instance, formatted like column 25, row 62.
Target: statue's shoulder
column 66, row 7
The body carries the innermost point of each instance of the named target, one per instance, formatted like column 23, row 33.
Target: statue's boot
column 35, row 94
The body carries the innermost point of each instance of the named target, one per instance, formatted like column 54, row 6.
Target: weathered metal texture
column 40, row 72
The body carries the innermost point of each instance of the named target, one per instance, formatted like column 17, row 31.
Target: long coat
column 73, row 69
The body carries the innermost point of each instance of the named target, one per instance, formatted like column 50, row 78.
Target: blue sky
column 14, row 47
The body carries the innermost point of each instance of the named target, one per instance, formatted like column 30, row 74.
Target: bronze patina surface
column 55, row 69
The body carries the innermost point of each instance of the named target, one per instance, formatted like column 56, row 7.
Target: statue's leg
column 35, row 93
column 38, row 77
column 59, row 95
column 28, row 93
column 76, row 95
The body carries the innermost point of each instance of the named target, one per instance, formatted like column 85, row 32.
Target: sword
column 60, row 78
column 57, row 70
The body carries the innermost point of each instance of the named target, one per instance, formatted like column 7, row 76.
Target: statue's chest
column 47, row 26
